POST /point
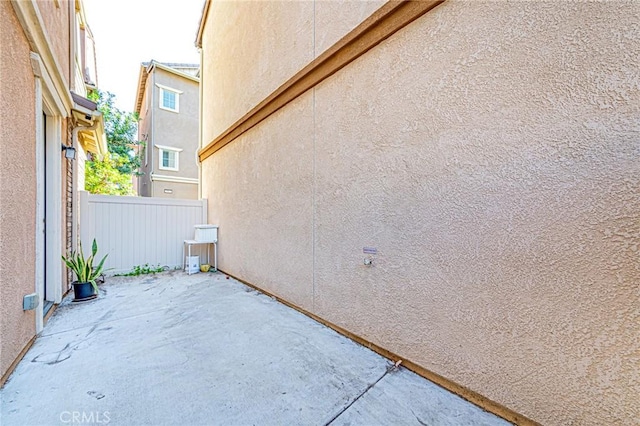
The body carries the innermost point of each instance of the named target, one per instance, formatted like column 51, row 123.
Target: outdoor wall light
column 69, row 152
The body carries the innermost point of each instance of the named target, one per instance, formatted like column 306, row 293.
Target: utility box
column 193, row 264
column 30, row 302
column 206, row 233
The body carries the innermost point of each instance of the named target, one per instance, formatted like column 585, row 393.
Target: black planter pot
column 83, row 291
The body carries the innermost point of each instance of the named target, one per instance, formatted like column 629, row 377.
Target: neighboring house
column 47, row 63
column 167, row 103
column 456, row 182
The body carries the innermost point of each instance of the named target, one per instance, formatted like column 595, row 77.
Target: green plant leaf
column 83, row 267
column 94, row 285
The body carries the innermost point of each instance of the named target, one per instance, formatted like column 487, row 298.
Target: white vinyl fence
column 138, row 230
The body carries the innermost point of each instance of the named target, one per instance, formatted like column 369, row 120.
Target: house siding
column 489, row 151
column 179, row 130
column 145, row 134
column 35, row 81
column 56, row 18
column 17, row 188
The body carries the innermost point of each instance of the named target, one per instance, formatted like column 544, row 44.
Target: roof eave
column 142, row 82
column 176, row 72
column 203, row 22
column 93, row 140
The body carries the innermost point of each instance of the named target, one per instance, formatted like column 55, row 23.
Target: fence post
column 205, row 213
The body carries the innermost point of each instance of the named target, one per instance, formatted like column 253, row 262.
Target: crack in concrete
column 390, row 369
column 418, row 419
column 104, row 322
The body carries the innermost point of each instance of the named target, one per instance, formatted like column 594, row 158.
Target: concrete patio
column 172, row 349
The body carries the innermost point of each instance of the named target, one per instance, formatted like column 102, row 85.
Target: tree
column 112, row 174
column 103, row 176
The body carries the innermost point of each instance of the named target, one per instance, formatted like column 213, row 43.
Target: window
column 169, row 158
column 169, row 98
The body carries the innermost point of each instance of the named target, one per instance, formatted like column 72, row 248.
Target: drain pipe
column 74, row 185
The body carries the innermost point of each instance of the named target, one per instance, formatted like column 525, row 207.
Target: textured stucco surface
column 490, row 152
column 185, row 191
column 177, row 130
column 252, row 59
column 56, row 21
column 298, row 31
column 17, row 187
column 144, row 134
column 267, row 234
column 333, row 19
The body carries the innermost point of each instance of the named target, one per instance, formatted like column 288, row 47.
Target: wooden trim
column 387, row 20
column 463, row 392
column 15, row 362
column 53, row 309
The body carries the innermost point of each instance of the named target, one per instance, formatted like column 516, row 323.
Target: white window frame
column 175, row 151
column 163, row 89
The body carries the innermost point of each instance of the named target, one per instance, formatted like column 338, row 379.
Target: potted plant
column 85, row 287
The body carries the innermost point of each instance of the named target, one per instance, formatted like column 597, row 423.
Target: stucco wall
column 178, row 130
column 17, row 188
column 55, row 16
column 254, row 61
column 145, row 134
column 262, row 191
column 490, row 152
column 168, row 128
column 180, row 190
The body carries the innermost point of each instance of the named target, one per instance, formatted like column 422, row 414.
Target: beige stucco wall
column 261, row 189
column 55, row 16
column 17, row 188
column 254, row 61
column 167, row 128
column 333, row 19
column 178, row 130
column 490, row 152
column 255, row 58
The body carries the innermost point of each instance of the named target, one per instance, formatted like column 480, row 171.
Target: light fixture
column 69, row 152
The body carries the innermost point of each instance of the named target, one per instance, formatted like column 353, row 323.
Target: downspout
column 74, row 188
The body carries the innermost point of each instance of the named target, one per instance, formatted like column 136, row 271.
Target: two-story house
column 47, row 129
column 167, row 102
column 454, row 182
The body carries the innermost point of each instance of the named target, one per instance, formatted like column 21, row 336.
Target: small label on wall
column 370, row 250
column 168, row 191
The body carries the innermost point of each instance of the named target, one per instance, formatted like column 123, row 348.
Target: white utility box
column 193, row 264
column 206, row 233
